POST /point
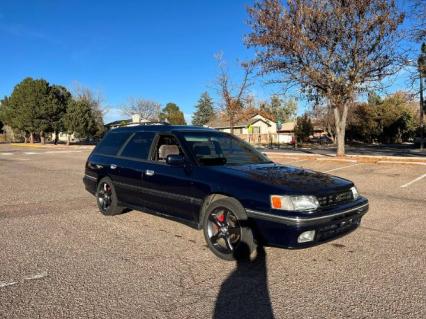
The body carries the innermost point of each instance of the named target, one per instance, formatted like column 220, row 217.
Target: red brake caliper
column 221, row 218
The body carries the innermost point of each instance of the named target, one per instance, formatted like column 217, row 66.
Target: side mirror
column 175, row 160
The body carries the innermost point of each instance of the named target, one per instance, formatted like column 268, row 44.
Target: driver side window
column 166, row 145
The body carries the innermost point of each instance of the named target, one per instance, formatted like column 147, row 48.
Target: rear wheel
column 106, row 198
column 226, row 230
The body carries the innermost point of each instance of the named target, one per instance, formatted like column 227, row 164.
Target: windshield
column 214, row 148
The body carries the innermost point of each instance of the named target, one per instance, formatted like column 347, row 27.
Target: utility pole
column 422, row 70
column 422, row 125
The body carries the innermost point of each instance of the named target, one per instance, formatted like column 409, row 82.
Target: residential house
column 256, row 128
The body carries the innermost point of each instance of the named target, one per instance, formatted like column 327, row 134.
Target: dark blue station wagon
column 214, row 181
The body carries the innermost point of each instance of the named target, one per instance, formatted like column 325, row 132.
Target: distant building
column 135, row 120
column 257, row 129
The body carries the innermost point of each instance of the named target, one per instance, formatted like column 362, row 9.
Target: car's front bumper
column 283, row 231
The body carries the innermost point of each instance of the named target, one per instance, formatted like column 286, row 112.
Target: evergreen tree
column 205, row 111
column 80, row 119
column 56, row 108
column 172, row 114
column 304, row 128
column 25, row 106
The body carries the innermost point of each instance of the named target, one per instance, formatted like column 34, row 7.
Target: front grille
column 338, row 228
column 333, row 199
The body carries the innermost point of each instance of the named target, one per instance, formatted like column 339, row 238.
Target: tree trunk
column 42, row 138
column 68, row 140
column 56, row 137
column 340, row 117
column 32, row 138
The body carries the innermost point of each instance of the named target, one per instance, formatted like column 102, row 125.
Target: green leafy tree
column 80, row 119
column 304, row 128
column 205, row 111
column 388, row 120
column 3, row 112
column 56, row 108
column 25, row 107
column 172, row 114
column 395, row 118
column 281, row 110
column 94, row 100
column 362, row 125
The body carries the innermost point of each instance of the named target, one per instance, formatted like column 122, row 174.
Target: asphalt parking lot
column 60, row 258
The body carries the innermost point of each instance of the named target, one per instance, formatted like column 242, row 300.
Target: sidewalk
column 52, row 146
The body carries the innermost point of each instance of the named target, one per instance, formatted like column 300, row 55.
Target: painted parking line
column 36, row 276
column 339, row 168
column 414, row 180
column 60, row 152
column 31, row 153
column 6, row 154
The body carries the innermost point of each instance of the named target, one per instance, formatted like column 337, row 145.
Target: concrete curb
column 415, row 160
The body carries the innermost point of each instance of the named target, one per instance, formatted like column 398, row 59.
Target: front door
column 171, row 188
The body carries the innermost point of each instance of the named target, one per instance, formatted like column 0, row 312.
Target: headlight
column 295, row 203
column 355, row 193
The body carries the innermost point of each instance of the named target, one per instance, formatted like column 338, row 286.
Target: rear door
column 130, row 165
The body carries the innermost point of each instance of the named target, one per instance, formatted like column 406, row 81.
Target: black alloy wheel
column 106, row 198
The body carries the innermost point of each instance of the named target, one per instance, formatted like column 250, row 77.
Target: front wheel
column 226, row 229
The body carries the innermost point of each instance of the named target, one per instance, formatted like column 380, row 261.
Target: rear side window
column 139, row 146
column 111, row 143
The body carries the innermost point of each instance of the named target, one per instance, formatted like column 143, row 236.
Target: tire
column 226, row 230
column 106, row 198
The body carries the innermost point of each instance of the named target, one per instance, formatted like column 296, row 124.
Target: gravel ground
column 60, row 258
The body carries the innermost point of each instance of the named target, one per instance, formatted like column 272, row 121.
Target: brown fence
column 258, row 138
column 3, row 138
column 268, row 138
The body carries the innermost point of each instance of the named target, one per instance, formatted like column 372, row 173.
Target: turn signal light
column 276, row 202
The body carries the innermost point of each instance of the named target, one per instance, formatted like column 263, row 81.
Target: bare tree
column 233, row 95
column 148, row 110
column 419, row 15
column 95, row 100
column 332, row 49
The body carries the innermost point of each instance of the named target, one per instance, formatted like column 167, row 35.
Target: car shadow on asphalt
column 244, row 294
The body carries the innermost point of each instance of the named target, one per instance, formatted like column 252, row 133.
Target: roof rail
column 154, row 123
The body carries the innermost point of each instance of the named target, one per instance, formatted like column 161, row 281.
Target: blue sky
column 159, row 50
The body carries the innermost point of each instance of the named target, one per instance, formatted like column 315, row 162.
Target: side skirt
column 142, row 209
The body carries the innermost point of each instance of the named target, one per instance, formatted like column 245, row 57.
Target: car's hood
column 289, row 178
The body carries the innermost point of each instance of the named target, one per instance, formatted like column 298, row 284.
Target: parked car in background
column 216, row 182
column 322, row 140
column 417, row 141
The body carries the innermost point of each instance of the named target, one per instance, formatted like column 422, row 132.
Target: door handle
column 113, row 166
column 149, row 172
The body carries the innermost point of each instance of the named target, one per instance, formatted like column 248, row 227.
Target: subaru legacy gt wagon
column 214, row 181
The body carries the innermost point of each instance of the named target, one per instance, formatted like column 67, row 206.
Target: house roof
column 247, row 119
column 287, row 127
